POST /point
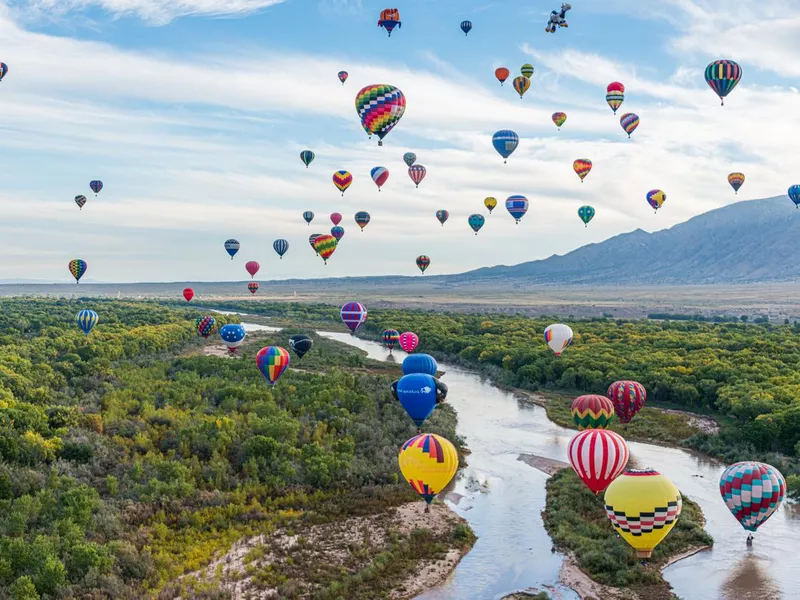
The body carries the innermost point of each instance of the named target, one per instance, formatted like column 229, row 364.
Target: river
column 503, row 498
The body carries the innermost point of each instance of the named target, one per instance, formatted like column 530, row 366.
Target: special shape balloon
column 643, row 506
column 423, row 262
column 417, row 174
column 559, row 118
column 490, row 203
column 417, row 394
column 736, row 180
column 232, row 336
column 300, row 344
column 517, row 206
column 307, row 156
column 188, row 294
column 428, row 462
column 597, row 456
column 505, row 142
column 354, row 314
column 252, row 286
column 337, row 232
column 232, row 247
column 502, row 74
column 442, row 215
column 308, row 216
column 362, row 219
column 420, row 363
column 558, row 336
column 280, row 246
column 86, row 320
column 592, row 411
column 722, row 76
column 628, row 398
column 409, row 158
column 476, row 221
column 252, row 267
column 325, row 245
column 342, row 180
column 379, row 176
column 390, row 18
column 77, row 267
column 272, row 361
column 80, row 200
column 753, row 491
column 409, row 341
column 586, row 214
column 380, row 107
column 205, row 326
column 629, row 123
column 656, row 199
column 582, row 167
column 521, row 85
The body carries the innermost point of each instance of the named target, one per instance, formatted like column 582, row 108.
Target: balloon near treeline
column 628, row 398
column 428, row 462
column 272, row 361
column 252, row 286
column 86, row 320
column 390, row 338
column 409, row 341
column 643, row 506
column 353, row 314
column 558, row 336
column 205, row 326
column 232, row 336
column 300, row 344
column 420, row 363
column 592, row 411
column 752, row 491
column 597, row 456
column 417, row 394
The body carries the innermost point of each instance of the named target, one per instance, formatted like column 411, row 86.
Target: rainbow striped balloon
column 380, row 107
column 342, row 180
column 582, row 166
column 629, row 123
column 77, row 267
column 272, row 361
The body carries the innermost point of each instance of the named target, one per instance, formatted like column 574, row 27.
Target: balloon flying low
column 205, row 326
column 428, row 462
column 628, row 398
column 188, row 294
column 558, row 337
column 592, row 411
column 300, row 344
column 272, row 361
column 252, row 286
column 390, row 338
column 420, row 363
column 232, row 336
column 354, row 314
column 417, row 394
column 86, row 320
column 423, row 262
column 597, row 456
column 409, row 341
column 753, row 491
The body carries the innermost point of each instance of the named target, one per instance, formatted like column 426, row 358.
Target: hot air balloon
column 490, row 203
column 656, row 198
column 629, row 123
column 442, row 215
column 441, row 391
column 232, row 336
column 311, row 239
column 390, row 18
column 502, row 74
column 476, row 221
column 343, row 75
column 379, row 176
column 362, row 219
column 559, row 118
column 336, row 218
column 736, row 180
column 353, row 314
column 521, row 85
column 558, row 337
column 505, row 142
column 252, row 267
column 753, row 491
column 307, row 156
column 466, row 26
column 794, row 195
column 615, row 95
column 80, row 200
column 417, row 173
column 96, row 186
column 517, row 206
column 280, row 246
column 337, row 232
column 205, row 326
column 417, row 394
column 272, row 361
column 428, row 462
column 586, row 214
column 722, row 76
column 598, row 456
column 3, row 70
column 300, row 344
column 308, row 216
column 592, row 411
column 232, row 247
column 423, row 262
column 86, row 320
column 342, row 180
column 325, row 245
column 252, row 286
column 380, row 107
column 582, row 166
column 527, row 70
column 643, row 506
column 390, row 337
column 628, row 398
column 409, row 158
column 77, row 267
column 420, row 363
column 409, row 341
column 188, row 294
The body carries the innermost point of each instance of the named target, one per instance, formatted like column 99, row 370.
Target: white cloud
column 156, row 12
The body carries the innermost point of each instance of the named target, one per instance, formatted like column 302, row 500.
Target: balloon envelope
column 558, row 337
column 342, row 180
column 252, row 267
column 628, row 398
column 188, row 294
column 420, row 363
column 232, row 247
column 380, row 107
column 409, row 341
column 656, row 198
column 280, row 246
column 517, row 206
column 505, row 142
column 598, row 456
column 521, row 85
column 336, row 218
column 409, row 158
column 390, row 337
column 417, row 173
column 736, row 180
column 559, row 118
column 490, row 203
column 379, row 176
column 752, row 491
column 466, row 26
column 502, row 74
column 206, row 326
column 325, row 245
column 442, row 215
column 86, row 320
column 629, row 122
column 428, row 462
column 308, row 216
column 300, row 344
column 722, row 76
column 476, row 221
column 592, row 411
column 272, row 361
column 252, row 286
column 307, row 156
column 582, row 167
column 353, row 314
column 232, row 336
column 586, row 214
column 417, row 394
column 77, row 267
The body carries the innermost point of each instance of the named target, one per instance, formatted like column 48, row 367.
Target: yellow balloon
column 428, row 462
column 490, row 203
column 643, row 506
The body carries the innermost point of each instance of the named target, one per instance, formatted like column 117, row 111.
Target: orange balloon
column 502, row 74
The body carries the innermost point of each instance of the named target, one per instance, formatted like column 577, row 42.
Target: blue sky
column 193, row 113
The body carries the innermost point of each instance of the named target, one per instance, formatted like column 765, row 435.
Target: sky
column 194, row 112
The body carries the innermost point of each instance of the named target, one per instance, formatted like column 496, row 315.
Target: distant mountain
column 747, row 242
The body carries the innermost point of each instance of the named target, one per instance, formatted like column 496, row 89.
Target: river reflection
column 513, row 550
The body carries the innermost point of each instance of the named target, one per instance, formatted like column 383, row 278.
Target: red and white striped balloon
column 598, row 456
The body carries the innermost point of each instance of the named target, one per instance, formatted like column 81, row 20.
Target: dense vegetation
column 576, row 520
column 747, row 375
column 129, row 458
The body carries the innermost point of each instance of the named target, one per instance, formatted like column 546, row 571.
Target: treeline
column 712, row 319
column 123, row 466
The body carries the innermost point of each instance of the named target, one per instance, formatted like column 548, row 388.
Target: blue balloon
column 794, row 195
column 417, row 394
column 232, row 247
column 232, row 333
column 505, row 142
column 280, row 246
column 420, row 363
column 86, row 320
column 466, row 26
